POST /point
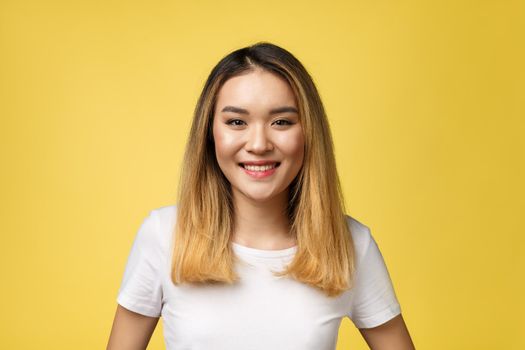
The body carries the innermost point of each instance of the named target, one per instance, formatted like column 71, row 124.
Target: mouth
column 260, row 168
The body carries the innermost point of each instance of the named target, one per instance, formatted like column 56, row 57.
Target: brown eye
column 283, row 122
column 234, row 122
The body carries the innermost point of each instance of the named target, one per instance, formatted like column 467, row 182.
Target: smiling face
column 256, row 119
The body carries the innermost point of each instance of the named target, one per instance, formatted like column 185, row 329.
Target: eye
column 283, row 122
column 234, row 122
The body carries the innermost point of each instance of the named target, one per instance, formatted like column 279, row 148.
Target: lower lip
column 259, row 174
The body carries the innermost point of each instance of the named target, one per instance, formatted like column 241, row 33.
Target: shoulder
column 165, row 216
column 157, row 228
column 361, row 236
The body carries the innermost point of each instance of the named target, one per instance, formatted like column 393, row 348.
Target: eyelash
column 229, row 122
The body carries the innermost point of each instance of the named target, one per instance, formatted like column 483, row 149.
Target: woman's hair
column 202, row 252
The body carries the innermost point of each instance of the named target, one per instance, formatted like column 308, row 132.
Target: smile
column 259, row 171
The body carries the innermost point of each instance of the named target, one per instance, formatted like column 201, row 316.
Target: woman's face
column 256, row 121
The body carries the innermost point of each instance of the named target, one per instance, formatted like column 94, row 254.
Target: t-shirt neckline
column 276, row 253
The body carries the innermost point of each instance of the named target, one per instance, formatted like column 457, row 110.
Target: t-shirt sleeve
column 374, row 301
column 141, row 289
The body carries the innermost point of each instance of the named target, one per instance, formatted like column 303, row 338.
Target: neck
column 262, row 225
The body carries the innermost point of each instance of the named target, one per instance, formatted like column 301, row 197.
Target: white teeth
column 259, row 168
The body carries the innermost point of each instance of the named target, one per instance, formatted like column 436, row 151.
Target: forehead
column 256, row 89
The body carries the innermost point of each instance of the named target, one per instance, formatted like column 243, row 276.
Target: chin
column 259, row 197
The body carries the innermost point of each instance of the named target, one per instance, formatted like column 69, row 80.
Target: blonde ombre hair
column 202, row 251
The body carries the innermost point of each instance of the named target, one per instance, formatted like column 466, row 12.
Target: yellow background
column 426, row 104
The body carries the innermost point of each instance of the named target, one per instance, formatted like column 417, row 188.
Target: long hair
column 202, row 252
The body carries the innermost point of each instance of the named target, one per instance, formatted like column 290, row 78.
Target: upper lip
column 259, row 162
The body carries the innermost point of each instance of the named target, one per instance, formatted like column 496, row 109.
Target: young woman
column 258, row 253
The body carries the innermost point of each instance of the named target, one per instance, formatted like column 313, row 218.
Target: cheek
column 293, row 145
column 225, row 144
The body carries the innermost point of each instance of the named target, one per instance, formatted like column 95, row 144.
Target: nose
column 258, row 141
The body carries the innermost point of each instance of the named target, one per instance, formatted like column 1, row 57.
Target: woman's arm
column 392, row 335
column 131, row 331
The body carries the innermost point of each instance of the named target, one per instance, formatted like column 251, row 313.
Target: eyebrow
column 286, row 109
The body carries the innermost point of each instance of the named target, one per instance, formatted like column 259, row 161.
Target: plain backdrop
column 426, row 104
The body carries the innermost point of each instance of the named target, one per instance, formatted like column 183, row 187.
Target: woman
column 258, row 252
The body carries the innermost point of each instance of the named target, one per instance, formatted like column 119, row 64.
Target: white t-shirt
column 260, row 312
